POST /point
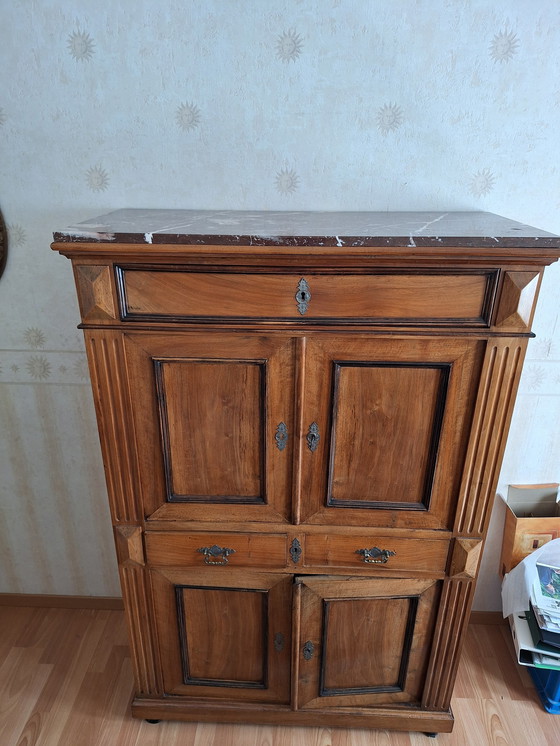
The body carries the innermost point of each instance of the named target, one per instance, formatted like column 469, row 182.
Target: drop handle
column 216, row 552
column 376, row 556
column 313, row 437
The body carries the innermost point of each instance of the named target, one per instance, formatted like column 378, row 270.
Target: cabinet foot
column 430, row 735
column 153, row 722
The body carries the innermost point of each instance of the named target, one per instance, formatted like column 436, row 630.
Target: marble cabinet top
column 266, row 228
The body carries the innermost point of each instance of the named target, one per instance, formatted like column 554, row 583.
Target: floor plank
column 66, row 680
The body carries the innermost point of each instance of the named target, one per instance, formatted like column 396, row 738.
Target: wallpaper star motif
column 504, row 45
column 481, row 183
column 188, row 116
column 287, row 181
column 81, row 46
column 97, row 179
column 16, row 234
column 2, row 116
column 34, row 337
column 38, row 367
column 289, row 46
column 389, row 118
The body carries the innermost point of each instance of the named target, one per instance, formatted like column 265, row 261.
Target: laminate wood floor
column 65, row 680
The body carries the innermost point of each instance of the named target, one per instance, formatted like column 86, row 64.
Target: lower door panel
column 364, row 642
column 224, row 634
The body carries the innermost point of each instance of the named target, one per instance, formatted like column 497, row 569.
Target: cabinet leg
column 430, row 735
column 153, row 722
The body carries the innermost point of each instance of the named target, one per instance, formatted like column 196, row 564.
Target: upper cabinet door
column 214, row 425
column 386, row 425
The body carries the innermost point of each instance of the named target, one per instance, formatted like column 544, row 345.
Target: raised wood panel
column 262, row 550
column 95, row 293
column 224, row 634
column 378, row 647
column 437, row 297
column 395, row 404
column 207, row 410
column 213, row 417
column 393, row 436
column 116, row 432
column 364, row 642
column 498, row 385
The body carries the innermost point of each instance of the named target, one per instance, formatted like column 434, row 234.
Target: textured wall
column 270, row 104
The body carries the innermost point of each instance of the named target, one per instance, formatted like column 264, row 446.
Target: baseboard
column 487, row 617
column 61, row 602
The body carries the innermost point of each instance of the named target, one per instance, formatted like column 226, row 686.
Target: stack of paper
column 531, row 595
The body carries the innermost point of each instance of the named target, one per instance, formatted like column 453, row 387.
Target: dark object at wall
column 3, row 244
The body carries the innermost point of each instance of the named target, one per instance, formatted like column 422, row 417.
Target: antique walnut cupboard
column 302, row 418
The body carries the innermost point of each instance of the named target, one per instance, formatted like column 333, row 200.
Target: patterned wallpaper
column 260, row 104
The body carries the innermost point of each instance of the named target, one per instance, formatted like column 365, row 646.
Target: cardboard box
column 532, row 519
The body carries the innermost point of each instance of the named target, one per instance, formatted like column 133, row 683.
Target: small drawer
column 202, row 549
column 404, row 298
column 375, row 552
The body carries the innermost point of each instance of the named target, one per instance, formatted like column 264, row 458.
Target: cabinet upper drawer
column 395, row 553
column 216, row 548
column 459, row 297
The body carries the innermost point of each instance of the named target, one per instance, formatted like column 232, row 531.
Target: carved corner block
column 130, row 547
column 465, row 558
column 517, row 300
column 95, row 292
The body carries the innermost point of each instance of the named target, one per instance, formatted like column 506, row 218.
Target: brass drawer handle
column 376, row 556
column 313, row 437
column 303, row 296
column 216, row 551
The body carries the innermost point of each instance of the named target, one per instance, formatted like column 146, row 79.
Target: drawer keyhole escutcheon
column 308, row 650
column 295, row 551
column 281, row 436
column 216, row 551
column 376, row 556
column 303, row 296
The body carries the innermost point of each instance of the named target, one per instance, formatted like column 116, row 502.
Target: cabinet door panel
column 364, row 642
column 393, row 418
column 213, row 429
column 214, row 425
column 224, row 634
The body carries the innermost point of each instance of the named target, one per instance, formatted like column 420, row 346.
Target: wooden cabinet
column 302, row 429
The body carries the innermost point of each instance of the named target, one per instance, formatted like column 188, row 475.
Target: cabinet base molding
column 375, row 719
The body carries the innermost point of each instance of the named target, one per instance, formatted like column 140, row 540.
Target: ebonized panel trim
column 400, row 683
column 439, row 411
column 182, row 630
column 172, row 497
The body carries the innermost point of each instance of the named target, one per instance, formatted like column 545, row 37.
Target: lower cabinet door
column 364, row 642
column 224, row 634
